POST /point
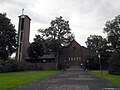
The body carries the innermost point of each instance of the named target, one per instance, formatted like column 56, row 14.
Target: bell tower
column 23, row 36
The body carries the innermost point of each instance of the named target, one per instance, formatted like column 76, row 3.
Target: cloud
column 85, row 16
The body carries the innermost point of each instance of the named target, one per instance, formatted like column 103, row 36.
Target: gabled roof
column 74, row 42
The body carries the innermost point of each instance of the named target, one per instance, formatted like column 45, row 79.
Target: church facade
column 74, row 54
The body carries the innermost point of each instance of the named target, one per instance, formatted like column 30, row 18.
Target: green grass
column 14, row 79
column 115, row 79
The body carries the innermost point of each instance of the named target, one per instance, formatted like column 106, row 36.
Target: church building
column 73, row 54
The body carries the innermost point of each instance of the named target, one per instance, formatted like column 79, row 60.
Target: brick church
column 73, row 54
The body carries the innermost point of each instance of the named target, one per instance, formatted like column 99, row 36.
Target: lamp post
column 88, row 64
column 99, row 62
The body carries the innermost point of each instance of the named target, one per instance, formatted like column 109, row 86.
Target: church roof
column 74, row 43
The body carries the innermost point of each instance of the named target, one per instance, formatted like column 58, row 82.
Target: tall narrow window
column 21, row 36
column 69, row 59
column 20, row 47
column 22, row 23
column 79, row 58
column 19, row 57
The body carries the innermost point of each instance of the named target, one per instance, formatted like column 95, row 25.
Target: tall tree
column 58, row 31
column 112, row 28
column 57, row 35
column 99, row 45
column 7, row 37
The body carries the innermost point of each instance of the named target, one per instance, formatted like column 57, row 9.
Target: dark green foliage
column 54, row 37
column 96, row 43
column 92, row 63
column 113, row 36
column 59, row 33
column 7, row 44
column 7, row 37
column 113, row 33
column 35, row 50
column 12, row 65
column 99, row 46
column 114, row 67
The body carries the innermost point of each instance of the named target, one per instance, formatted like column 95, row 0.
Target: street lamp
column 99, row 62
column 88, row 64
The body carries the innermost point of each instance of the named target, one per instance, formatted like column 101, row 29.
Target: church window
column 69, row 59
column 20, row 47
column 21, row 36
column 19, row 56
column 22, row 23
column 44, row 61
column 79, row 58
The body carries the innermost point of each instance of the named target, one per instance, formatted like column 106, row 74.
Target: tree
column 54, row 37
column 7, row 37
column 114, row 64
column 58, row 31
column 96, row 43
column 112, row 28
column 35, row 50
column 99, row 45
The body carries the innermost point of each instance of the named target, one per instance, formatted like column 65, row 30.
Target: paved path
column 72, row 79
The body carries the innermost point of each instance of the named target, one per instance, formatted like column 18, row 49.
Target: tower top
column 23, row 15
column 23, row 11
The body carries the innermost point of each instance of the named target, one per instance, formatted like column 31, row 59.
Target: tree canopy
column 109, row 47
column 112, row 28
column 7, row 37
column 96, row 43
column 35, row 50
column 57, row 35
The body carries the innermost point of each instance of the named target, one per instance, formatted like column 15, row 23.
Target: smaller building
column 47, row 62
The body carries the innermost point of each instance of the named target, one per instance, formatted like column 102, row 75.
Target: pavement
column 73, row 78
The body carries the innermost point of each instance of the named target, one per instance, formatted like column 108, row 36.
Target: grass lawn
column 14, row 79
column 115, row 79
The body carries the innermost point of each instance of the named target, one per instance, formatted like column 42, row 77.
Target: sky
column 86, row 17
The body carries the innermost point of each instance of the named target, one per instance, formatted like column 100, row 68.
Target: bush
column 12, row 65
column 114, row 65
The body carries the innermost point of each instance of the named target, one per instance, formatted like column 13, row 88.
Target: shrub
column 12, row 65
column 114, row 65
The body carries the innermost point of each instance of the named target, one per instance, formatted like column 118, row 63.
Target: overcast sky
column 86, row 17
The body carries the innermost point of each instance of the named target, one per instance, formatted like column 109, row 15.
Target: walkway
column 72, row 79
